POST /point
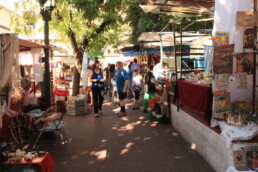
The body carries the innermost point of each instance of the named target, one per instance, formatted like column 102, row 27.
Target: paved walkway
column 126, row 144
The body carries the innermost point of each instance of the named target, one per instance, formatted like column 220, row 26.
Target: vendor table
column 196, row 97
column 45, row 162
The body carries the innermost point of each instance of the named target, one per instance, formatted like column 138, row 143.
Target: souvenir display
column 252, row 157
column 220, row 38
column 241, row 80
column 220, row 82
column 247, row 18
column 244, row 62
column 240, row 161
column 223, row 59
column 249, row 38
column 222, row 103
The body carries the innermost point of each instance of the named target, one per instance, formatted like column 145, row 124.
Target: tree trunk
column 76, row 81
column 77, row 73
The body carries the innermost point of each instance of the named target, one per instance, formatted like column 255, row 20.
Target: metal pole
column 181, row 51
column 254, row 67
column 175, row 48
column 47, row 69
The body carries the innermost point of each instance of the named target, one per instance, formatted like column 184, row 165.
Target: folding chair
column 56, row 126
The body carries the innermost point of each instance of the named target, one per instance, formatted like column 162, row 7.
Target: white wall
column 225, row 21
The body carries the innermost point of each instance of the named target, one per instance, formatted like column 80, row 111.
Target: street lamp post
column 46, row 8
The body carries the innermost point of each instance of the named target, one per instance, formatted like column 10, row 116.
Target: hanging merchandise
column 208, row 57
column 249, row 38
column 8, row 52
column 223, row 59
column 220, row 82
column 241, row 80
column 244, row 62
column 220, row 38
column 222, row 103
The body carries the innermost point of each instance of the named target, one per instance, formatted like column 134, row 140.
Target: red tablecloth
column 194, row 96
column 45, row 162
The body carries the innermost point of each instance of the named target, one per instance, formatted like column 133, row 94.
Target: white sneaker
column 96, row 115
column 100, row 112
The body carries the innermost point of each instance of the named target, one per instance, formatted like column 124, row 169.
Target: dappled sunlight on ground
column 146, row 138
column 178, row 157
column 103, row 141
column 125, row 118
column 193, row 146
column 154, row 124
column 141, row 118
column 101, row 155
column 127, row 148
column 127, row 127
column 107, row 103
column 174, row 134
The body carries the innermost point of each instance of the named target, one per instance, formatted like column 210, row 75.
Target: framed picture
column 247, row 18
column 249, row 38
column 222, row 103
column 245, row 63
column 240, row 161
column 220, row 38
column 223, row 59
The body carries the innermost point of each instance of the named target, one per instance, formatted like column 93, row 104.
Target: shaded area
column 131, row 143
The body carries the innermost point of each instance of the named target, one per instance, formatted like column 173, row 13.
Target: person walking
column 107, row 70
column 135, row 64
column 97, row 77
column 130, row 78
column 111, row 83
column 88, row 87
column 149, row 87
column 121, row 81
column 136, row 86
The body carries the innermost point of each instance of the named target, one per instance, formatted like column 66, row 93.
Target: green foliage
column 23, row 17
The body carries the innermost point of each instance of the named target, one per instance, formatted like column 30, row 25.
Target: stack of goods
column 77, row 105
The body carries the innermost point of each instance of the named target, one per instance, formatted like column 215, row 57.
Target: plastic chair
column 56, row 126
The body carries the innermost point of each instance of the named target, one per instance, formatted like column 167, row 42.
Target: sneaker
column 100, row 112
column 96, row 115
column 121, row 114
column 144, row 110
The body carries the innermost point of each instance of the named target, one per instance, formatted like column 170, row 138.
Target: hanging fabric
column 9, row 50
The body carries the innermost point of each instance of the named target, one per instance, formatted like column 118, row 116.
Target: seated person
column 53, row 113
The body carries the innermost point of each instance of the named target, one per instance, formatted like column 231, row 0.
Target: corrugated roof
column 180, row 7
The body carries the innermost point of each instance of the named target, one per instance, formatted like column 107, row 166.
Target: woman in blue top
column 97, row 77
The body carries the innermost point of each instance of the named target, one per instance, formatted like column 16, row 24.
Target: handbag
column 101, row 85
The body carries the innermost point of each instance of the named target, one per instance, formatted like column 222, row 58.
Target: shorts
column 136, row 94
column 88, row 88
column 122, row 96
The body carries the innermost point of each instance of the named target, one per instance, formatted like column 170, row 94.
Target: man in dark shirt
column 149, row 87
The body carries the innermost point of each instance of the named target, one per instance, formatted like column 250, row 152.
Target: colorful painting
column 220, row 82
column 222, row 103
column 244, row 63
column 241, row 80
column 223, row 59
column 220, row 38
column 249, row 38
column 247, row 18
column 240, row 160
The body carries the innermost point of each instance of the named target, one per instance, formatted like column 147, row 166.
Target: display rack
column 191, row 60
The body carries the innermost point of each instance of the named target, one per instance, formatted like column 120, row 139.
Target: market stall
column 215, row 109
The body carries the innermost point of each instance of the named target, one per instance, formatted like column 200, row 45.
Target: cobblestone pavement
column 127, row 144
